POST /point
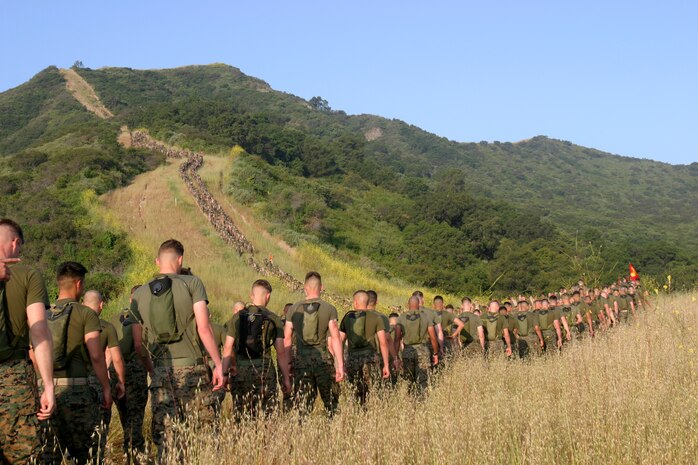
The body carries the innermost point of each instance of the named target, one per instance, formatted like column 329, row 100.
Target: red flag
column 633, row 274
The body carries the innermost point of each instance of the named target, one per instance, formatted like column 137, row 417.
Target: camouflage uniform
column 313, row 365
column 314, row 373
column 363, row 350
column 254, row 388
column 416, row 365
column 131, row 407
column 19, row 438
column 175, row 392
column 19, row 426
column 73, row 426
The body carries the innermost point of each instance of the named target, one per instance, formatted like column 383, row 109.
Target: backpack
column 57, row 319
column 354, row 324
column 253, row 339
column 163, row 317
column 414, row 329
column 311, row 324
column 126, row 342
column 522, row 324
column 8, row 342
column 490, row 323
column 545, row 319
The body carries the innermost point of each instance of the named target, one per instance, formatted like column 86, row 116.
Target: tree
column 78, row 64
column 320, row 104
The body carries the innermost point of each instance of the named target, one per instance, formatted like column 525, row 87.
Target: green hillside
column 390, row 196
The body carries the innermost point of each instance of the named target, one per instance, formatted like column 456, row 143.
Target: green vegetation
column 402, row 202
column 55, row 157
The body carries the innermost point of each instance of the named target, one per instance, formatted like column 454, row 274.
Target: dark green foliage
column 525, row 216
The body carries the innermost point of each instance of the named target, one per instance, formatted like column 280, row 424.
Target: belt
column 66, row 382
column 179, row 362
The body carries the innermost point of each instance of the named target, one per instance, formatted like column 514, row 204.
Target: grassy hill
column 391, row 200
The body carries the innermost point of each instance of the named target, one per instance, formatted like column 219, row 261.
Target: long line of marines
column 62, row 366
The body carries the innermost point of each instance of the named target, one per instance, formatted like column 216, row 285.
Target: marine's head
column 372, row 299
column 438, row 303
column 493, row 306
column 313, row 285
column 70, row 277
column 360, row 300
column 420, row 296
column 413, row 303
column 170, row 257
column 94, row 300
column 466, row 304
column 260, row 293
column 11, row 239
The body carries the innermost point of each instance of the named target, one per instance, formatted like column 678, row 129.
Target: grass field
column 628, row 397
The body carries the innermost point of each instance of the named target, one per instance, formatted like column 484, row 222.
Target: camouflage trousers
column 132, row 407
column 73, row 427
column 550, row 338
column 314, row 372
column 104, row 415
column 363, row 372
column 19, row 427
column 254, row 388
column 416, row 367
column 178, row 394
column 624, row 316
column 525, row 346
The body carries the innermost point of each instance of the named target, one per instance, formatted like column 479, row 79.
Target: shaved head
column 94, row 300
column 414, row 302
column 238, row 306
column 360, row 300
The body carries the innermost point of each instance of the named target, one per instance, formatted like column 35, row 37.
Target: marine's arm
column 43, row 356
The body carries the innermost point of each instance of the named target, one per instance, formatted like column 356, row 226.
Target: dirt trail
column 216, row 215
column 84, row 93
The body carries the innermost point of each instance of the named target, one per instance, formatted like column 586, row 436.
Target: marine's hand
column 48, row 404
column 120, row 390
column 386, row 372
column 569, row 337
column 397, row 364
column 339, row 376
column 106, row 403
column 218, row 379
column 286, row 387
column 435, row 359
column 5, row 272
column 508, row 351
column 233, row 371
column 559, row 343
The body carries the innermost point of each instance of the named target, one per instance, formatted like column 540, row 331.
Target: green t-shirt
column 494, row 325
column 326, row 313
column 524, row 323
column 432, row 314
column 447, row 319
column 624, row 303
column 374, row 323
column 123, row 324
column 187, row 290
column 107, row 338
column 426, row 317
column 471, row 322
column 570, row 313
column 546, row 319
column 25, row 287
column 273, row 331
column 83, row 320
column 219, row 334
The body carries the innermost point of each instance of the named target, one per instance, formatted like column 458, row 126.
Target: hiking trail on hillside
column 84, row 93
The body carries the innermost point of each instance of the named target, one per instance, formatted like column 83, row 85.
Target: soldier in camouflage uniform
column 360, row 328
column 23, row 302
column 131, row 407
column 549, row 323
column 526, row 331
column 312, row 322
column 251, row 334
column 109, row 342
column 72, row 430
column 496, row 329
column 416, row 329
column 469, row 332
column 173, row 308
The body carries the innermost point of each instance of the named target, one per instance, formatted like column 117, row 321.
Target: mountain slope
column 403, row 202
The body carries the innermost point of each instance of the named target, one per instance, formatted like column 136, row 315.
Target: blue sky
column 619, row 76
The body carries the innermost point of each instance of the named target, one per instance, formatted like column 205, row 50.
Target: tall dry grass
column 628, row 397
